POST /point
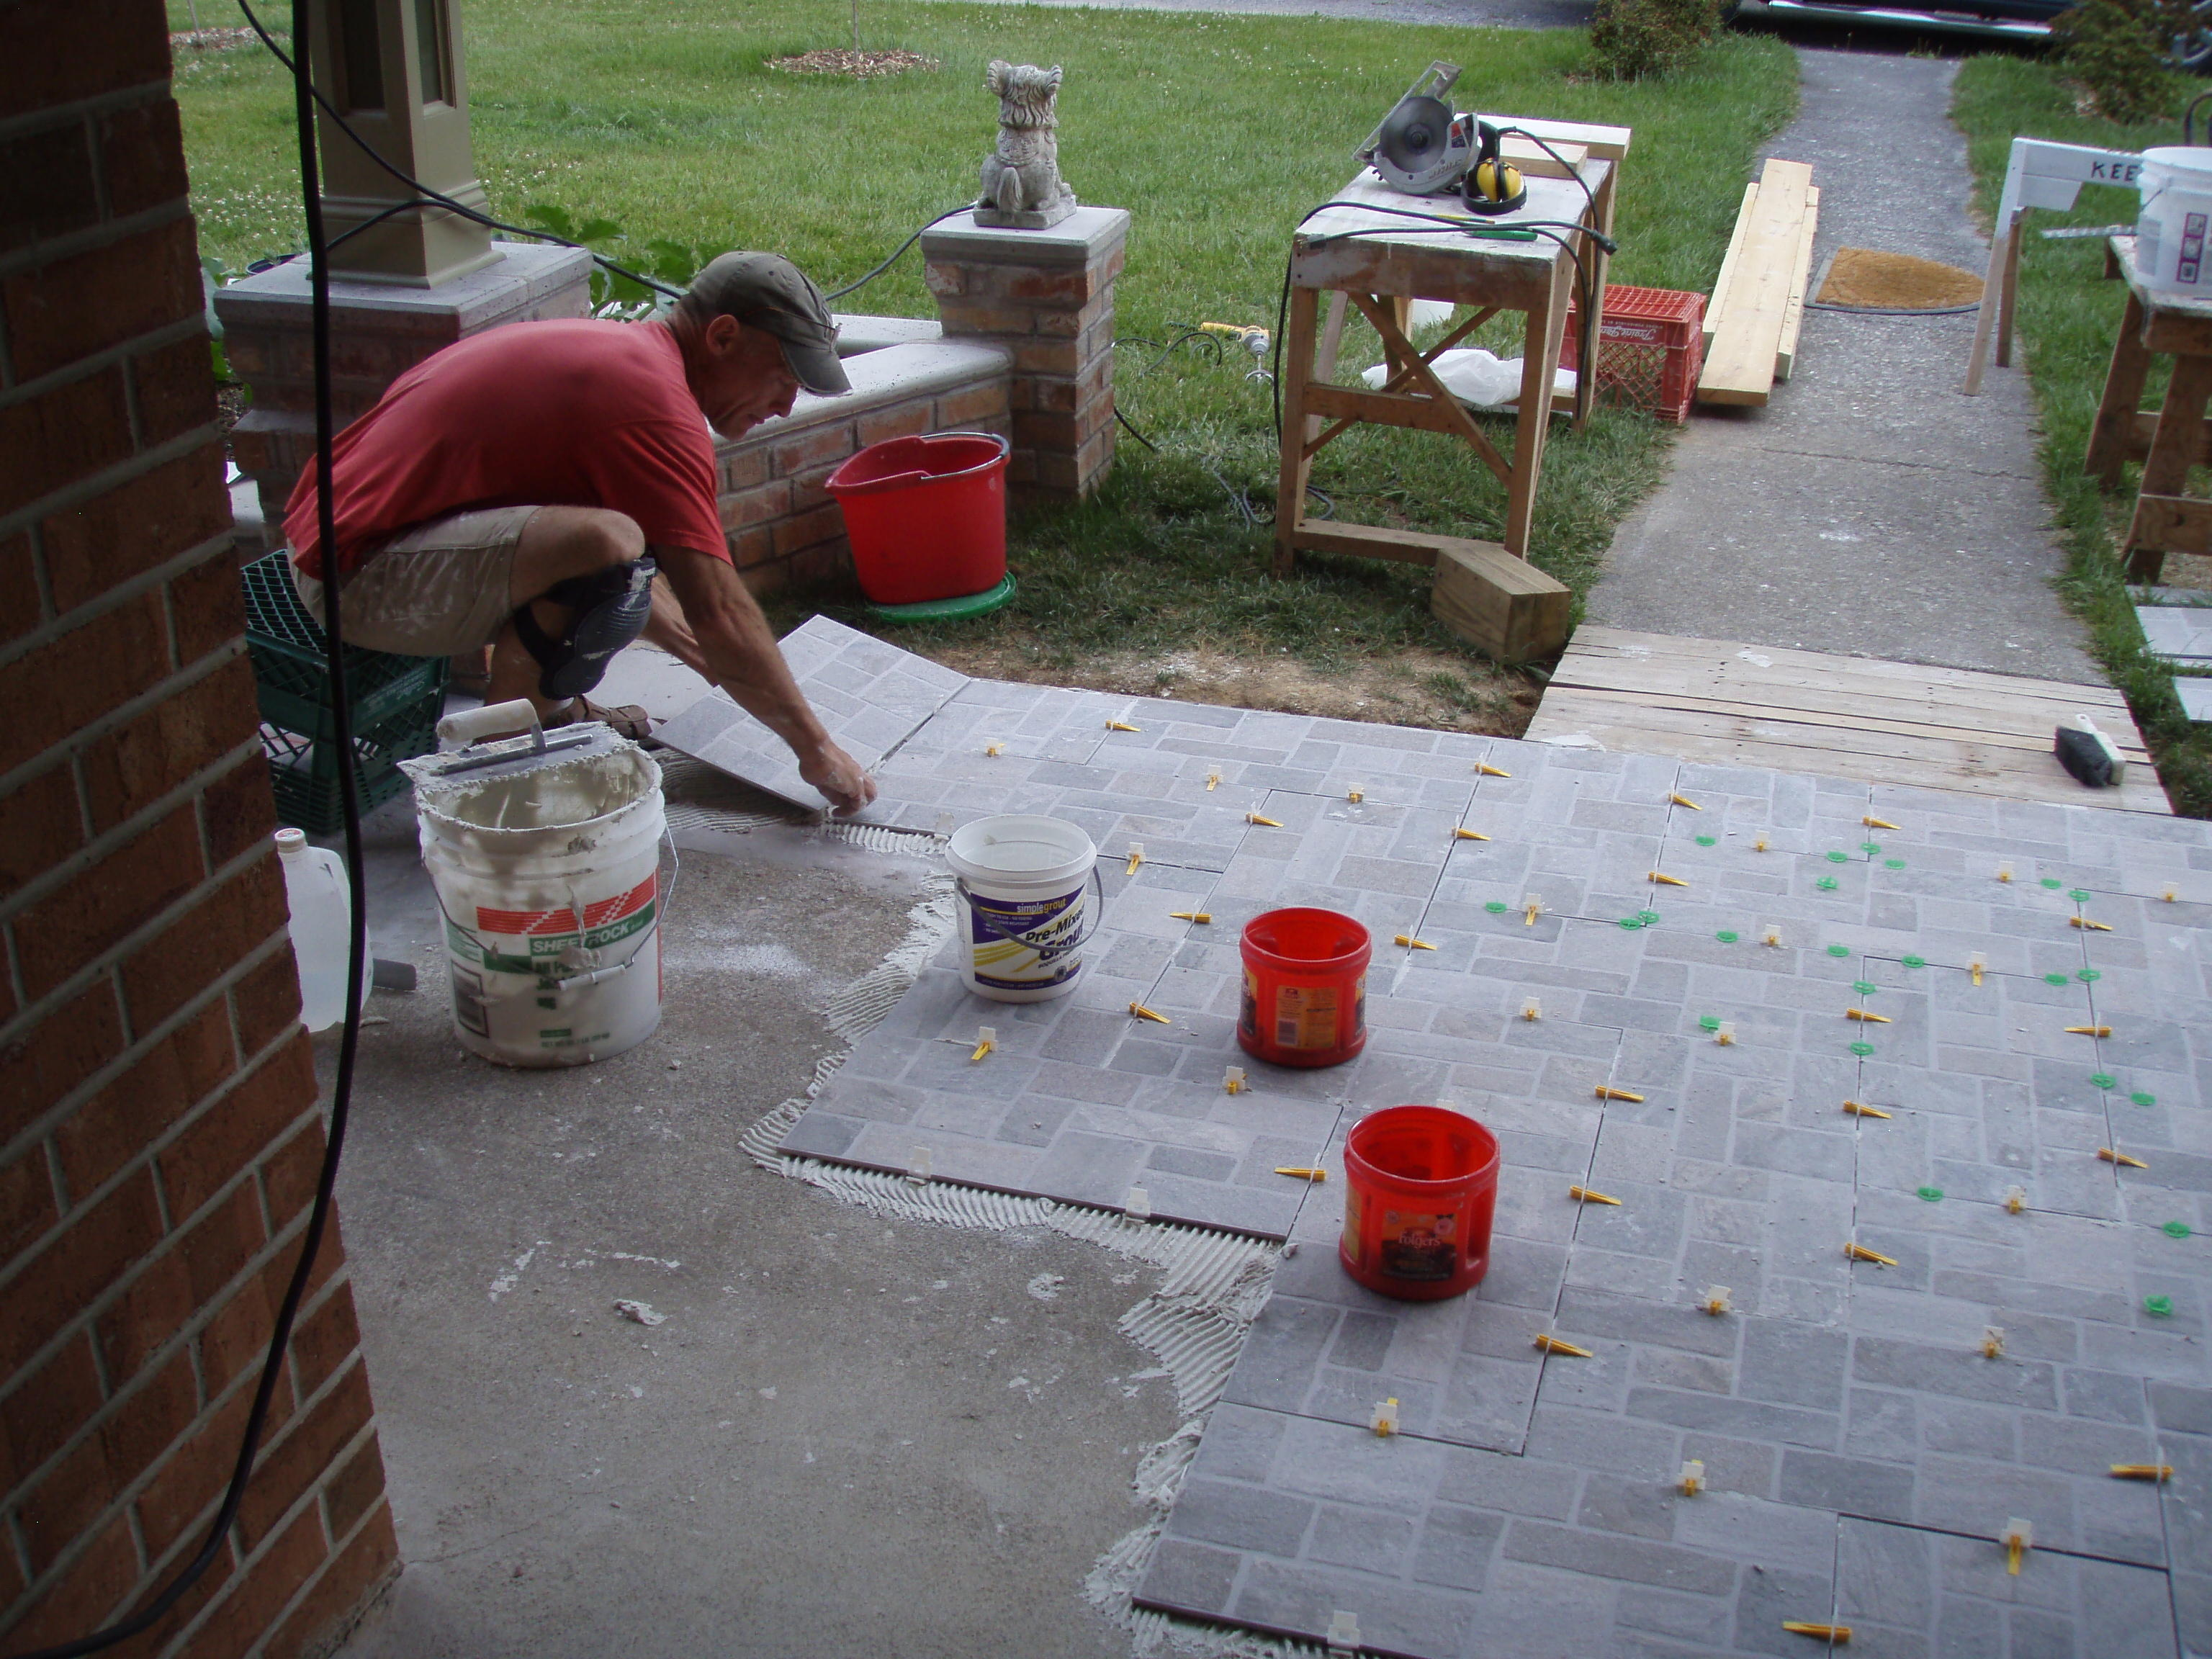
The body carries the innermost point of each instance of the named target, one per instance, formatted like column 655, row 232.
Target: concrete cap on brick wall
column 1087, row 235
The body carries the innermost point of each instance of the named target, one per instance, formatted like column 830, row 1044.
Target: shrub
column 2116, row 50
column 1631, row 40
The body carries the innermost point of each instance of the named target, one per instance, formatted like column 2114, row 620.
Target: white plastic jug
column 322, row 915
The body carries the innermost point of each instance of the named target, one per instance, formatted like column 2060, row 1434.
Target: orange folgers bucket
column 1305, row 987
column 1420, row 1185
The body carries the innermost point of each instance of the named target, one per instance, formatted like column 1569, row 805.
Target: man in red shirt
column 522, row 488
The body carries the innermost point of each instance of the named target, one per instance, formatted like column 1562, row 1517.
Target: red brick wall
column 159, row 1130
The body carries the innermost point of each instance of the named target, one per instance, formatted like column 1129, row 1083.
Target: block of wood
column 1503, row 606
column 1526, row 155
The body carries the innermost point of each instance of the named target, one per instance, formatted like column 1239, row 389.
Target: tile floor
column 1862, row 1454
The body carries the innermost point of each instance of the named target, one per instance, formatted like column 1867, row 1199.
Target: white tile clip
column 1532, row 1010
column 919, row 1165
column 1232, row 1080
column 1724, row 1034
column 1717, row 1302
column 2018, row 1538
column 1693, row 1478
column 1343, row 1634
column 1992, row 1341
column 1384, row 1420
column 1139, row 1206
column 986, row 1038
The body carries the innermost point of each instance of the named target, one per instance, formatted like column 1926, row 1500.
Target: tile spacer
column 1855, row 1252
column 1199, row 916
column 1255, row 816
column 1874, row 823
column 1717, row 1302
column 1534, row 904
column 1661, row 879
column 1411, row 943
column 1684, row 800
column 919, row 1164
column 1857, row 1110
column 1355, row 793
column 1992, row 1341
column 1384, row 1420
column 1143, row 1012
column 1136, row 856
column 2160, row 1473
column 1232, row 1080
column 1213, row 779
column 1460, row 832
column 2089, row 1031
column 986, row 1038
column 1583, row 1195
column 2106, row 1154
column 1871, row 1019
column 1343, row 1638
column 1840, row 1635
column 1975, row 965
column 992, row 749
column 1693, row 1478
column 2015, row 1199
column 1606, row 1093
column 1138, row 1205
column 1316, row 1174
column 1550, row 1343
column 1123, row 726
column 2018, row 1538
column 2004, row 873
column 1759, row 844
column 2087, row 926
column 1532, row 1010
column 1484, row 768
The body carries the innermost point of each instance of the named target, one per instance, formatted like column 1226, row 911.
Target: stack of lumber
column 1751, row 324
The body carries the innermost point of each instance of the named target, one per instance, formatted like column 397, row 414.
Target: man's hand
column 838, row 776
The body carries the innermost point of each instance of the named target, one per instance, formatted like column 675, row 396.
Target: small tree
column 2116, row 49
column 1631, row 40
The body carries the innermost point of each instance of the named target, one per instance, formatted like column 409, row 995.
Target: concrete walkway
column 1869, row 508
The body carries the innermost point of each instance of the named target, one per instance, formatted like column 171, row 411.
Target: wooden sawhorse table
column 1487, row 591
column 2169, row 441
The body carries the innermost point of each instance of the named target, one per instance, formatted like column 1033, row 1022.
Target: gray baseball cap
column 766, row 291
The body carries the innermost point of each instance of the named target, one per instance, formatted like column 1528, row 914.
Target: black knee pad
column 608, row 610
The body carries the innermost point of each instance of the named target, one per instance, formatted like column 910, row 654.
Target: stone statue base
column 1041, row 218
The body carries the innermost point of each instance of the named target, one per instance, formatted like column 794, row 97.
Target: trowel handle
column 457, row 731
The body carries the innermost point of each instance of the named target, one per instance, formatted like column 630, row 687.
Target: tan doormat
column 1895, row 281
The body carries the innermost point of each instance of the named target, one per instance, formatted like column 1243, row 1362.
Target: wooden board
column 1785, row 355
column 1605, row 143
column 1719, row 703
column 1740, row 366
column 1728, row 265
column 1536, row 163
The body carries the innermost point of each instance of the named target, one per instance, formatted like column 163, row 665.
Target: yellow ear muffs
column 1487, row 180
column 1492, row 185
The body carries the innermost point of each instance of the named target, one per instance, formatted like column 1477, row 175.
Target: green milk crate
column 395, row 703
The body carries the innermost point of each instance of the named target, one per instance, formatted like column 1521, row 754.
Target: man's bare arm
column 711, row 621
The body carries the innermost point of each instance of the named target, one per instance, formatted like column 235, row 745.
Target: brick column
column 159, row 1128
column 1048, row 297
column 379, row 332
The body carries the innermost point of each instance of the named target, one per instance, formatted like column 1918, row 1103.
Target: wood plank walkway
column 1718, row 702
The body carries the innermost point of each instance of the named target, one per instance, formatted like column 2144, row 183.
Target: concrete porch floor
column 849, row 1436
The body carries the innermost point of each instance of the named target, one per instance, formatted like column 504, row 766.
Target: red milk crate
column 1651, row 346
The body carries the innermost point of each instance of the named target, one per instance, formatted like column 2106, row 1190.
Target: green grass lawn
column 2068, row 317
column 1216, row 132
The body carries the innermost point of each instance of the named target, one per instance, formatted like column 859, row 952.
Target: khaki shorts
column 438, row 590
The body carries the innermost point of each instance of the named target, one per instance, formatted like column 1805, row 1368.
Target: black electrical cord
column 1895, row 311
column 839, row 294
column 429, row 196
column 357, row 940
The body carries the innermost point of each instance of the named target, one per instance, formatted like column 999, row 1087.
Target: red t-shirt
column 570, row 413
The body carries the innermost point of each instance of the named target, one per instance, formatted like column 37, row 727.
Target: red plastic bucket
column 1420, row 1185
column 1305, row 987
column 927, row 515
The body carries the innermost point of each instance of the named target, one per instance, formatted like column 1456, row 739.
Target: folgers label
column 1304, row 1017
column 1420, row 1191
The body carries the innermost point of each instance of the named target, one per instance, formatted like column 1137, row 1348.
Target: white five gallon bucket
column 2176, row 206
column 1021, row 880
column 548, row 870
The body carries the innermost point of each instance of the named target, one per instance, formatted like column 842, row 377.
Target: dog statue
column 1022, row 186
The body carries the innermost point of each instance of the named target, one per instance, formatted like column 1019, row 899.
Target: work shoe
column 627, row 720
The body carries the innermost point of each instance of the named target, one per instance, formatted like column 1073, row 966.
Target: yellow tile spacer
column 1143, row 1012
column 1860, row 1253
column 1136, row 856
column 1232, row 1080
column 1191, row 915
column 1684, row 800
column 1549, row 1344
column 2015, row 1199
column 2171, row 895
column 1992, row 1341
column 1213, row 779
column 2004, row 873
column 1384, row 1420
column 1862, row 1014
column 1587, row 1196
column 1484, row 768
column 1874, row 823
column 986, row 1038
column 1411, row 943
column 1663, row 879
column 1975, row 964
column 2089, row 1031
column 1839, row 1634
column 1717, row 1302
column 1260, row 817
column 1692, row 1479
column 1123, row 726
column 1534, row 905
column 2018, row 1538
column 993, row 748
column 1604, row 1093
column 1460, row 832
column 1857, row 1110
column 2108, row 1155
column 1315, row 1176
column 1759, row 845
column 2160, row 1473
column 1355, row 793
column 2087, row 926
